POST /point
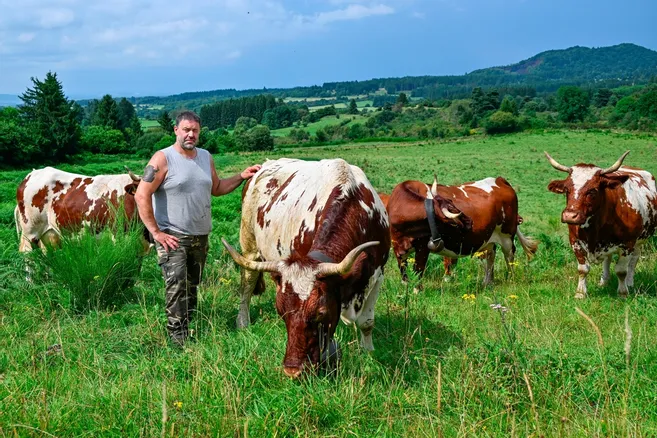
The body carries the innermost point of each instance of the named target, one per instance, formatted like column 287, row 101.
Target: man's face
column 187, row 133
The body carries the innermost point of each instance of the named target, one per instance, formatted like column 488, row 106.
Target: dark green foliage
column 166, row 122
column 299, row 135
column 16, row 143
column 572, row 104
column 257, row 138
column 353, row 107
column 145, row 145
column 402, row 99
column 601, row 97
column 501, row 122
column 244, row 124
column 107, row 113
column 509, row 105
column 281, row 116
column 225, row 113
column 322, row 112
column 104, row 140
column 50, row 119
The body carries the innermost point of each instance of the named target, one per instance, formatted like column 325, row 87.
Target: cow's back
column 51, row 199
column 638, row 193
column 283, row 203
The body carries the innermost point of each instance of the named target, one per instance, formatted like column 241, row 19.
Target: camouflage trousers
column 182, row 269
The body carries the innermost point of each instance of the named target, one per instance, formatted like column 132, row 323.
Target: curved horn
column 346, row 264
column 614, row 167
column 449, row 214
column 134, row 177
column 249, row 264
column 434, row 186
column 556, row 165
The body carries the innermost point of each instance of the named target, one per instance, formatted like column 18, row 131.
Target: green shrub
column 95, row 270
column 501, row 122
column 99, row 139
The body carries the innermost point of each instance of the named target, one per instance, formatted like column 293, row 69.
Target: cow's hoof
column 242, row 324
column 622, row 296
column 580, row 295
column 448, row 278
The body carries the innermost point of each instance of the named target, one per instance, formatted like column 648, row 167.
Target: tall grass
column 94, row 270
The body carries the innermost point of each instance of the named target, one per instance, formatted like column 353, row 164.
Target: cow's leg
column 249, row 280
column 365, row 321
column 621, row 273
column 401, row 247
column 449, row 263
column 421, row 258
column 489, row 274
column 583, row 270
column 631, row 267
column 509, row 251
column 606, row 263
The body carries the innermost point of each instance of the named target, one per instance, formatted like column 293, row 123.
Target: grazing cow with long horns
column 455, row 221
column 51, row 201
column 321, row 230
column 608, row 211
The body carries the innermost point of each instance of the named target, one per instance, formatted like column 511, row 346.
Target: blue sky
column 148, row 47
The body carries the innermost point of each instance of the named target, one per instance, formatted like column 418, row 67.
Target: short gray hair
column 187, row 115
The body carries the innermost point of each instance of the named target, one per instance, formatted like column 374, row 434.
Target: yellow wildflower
column 177, row 404
column 479, row 254
column 469, row 297
column 513, row 263
column 96, row 277
column 513, row 297
column 411, row 260
column 223, row 280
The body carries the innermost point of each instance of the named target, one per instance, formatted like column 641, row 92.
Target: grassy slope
column 116, row 373
column 325, row 121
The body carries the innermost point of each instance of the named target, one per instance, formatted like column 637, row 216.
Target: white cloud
column 52, row 18
column 353, row 12
column 26, row 37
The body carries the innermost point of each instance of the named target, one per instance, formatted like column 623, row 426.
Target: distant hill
column 609, row 67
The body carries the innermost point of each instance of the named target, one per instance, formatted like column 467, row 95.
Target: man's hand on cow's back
column 250, row 171
column 167, row 241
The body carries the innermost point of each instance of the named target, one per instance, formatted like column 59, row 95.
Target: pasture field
column 148, row 123
column 323, row 122
column 445, row 364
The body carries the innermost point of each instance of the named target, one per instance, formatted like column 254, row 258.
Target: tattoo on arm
column 149, row 173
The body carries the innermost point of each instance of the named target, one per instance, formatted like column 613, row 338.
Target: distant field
column 325, row 121
column 148, row 123
column 337, row 105
column 446, row 364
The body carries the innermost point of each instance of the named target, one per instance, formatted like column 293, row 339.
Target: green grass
column 325, row 121
column 148, row 123
column 443, row 365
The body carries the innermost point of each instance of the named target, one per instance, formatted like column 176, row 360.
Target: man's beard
column 187, row 146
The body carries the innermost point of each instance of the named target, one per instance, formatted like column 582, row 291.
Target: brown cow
column 469, row 219
column 608, row 211
column 322, row 232
column 51, row 201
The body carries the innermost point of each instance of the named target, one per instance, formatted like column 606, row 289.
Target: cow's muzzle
column 436, row 245
column 573, row 217
column 293, row 372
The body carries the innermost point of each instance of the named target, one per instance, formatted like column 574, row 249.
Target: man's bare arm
column 227, row 185
column 154, row 175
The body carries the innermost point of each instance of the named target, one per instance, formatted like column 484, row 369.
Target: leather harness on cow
column 436, row 243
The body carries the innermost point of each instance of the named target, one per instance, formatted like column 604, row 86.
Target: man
column 174, row 200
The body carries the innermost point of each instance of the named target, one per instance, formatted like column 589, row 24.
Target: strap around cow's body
column 320, row 257
column 435, row 243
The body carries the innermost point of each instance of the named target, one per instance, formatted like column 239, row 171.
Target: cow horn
column 346, row 264
column 614, row 167
column 134, row 177
column 249, row 264
column 449, row 214
column 434, row 186
column 556, row 165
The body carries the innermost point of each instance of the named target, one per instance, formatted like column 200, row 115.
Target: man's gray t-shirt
column 182, row 202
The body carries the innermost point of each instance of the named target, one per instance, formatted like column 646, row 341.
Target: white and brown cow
column 51, row 201
column 321, row 230
column 469, row 218
column 608, row 211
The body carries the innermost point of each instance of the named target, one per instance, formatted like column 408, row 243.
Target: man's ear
column 558, row 186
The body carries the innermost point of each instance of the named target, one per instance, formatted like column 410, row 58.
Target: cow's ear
column 612, row 181
column 558, row 186
column 130, row 189
column 461, row 221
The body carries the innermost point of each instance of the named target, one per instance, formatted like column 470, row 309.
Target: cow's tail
column 529, row 244
column 17, row 218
